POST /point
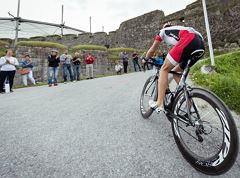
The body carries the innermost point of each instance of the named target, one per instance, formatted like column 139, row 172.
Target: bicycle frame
column 182, row 86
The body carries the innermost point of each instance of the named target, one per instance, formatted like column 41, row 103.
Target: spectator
column 53, row 64
column 118, row 68
column 76, row 61
column 159, row 58
column 125, row 61
column 27, row 64
column 8, row 66
column 66, row 60
column 135, row 61
column 89, row 65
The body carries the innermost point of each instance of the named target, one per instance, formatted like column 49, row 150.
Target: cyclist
column 185, row 40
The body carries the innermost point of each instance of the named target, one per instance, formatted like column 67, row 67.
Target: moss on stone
column 70, row 35
column 2, row 52
column 39, row 38
column 125, row 49
column 43, row 44
column 4, row 43
column 89, row 47
column 52, row 36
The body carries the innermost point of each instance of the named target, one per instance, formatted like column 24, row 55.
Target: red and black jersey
column 171, row 35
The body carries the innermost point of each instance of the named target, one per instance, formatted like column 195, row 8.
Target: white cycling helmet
column 168, row 24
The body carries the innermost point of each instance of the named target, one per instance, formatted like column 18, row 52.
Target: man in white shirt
column 8, row 65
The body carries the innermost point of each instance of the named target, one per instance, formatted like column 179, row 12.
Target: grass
column 89, row 47
column 225, row 82
column 43, row 44
column 113, row 50
column 4, row 43
column 6, row 40
column 73, row 35
column 2, row 52
column 30, row 85
column 38, row 37
column 58, row 36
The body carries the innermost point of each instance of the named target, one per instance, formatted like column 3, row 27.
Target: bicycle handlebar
column 152, row 63
column 159, row 66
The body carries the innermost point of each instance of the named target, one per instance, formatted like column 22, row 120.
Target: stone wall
column 139, row 32
column 99, row 38
column 224, row 18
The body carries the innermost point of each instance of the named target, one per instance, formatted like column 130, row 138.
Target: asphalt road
column 90, row 128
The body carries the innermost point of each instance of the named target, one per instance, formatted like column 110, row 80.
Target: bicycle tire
column 147, row 113
column 224, row 159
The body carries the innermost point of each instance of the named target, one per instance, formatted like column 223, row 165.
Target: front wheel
column 211, row 144
column 149, row 92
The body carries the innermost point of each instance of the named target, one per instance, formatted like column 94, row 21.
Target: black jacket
column 53, row 61
column 77, row 62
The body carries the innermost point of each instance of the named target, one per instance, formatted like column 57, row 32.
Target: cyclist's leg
column 177, row 77
column 163, row 81
column 174, row 57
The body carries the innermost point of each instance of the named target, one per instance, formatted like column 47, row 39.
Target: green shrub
column 39, row 38
column 86, row 33
column 73, row 35
column 2, row 52
column 4, row 43
column 7, row 40
column 89, row 47
column 53, row 36
column 225, row 82
column 43, row 44
column 125, row 49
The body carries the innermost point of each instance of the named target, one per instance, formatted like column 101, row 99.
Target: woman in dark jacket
column 125, row 61
column 76, row 61
column 53, row 64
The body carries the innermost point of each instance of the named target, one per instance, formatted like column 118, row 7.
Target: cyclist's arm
column 153, row 49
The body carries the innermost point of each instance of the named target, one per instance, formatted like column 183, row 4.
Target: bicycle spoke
column 188, row 133
column 204, row 116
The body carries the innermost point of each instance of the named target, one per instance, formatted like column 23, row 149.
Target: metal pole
column 208, row 32
column 17, row 25
column 62, row 21
column 90, row 24
column 102, row 28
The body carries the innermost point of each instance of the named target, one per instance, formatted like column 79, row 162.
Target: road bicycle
column 203, row 127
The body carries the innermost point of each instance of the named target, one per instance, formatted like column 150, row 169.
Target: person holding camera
column 67, row 67
column 8, row 65
column 53, row 64
column 26, row 64
column 76, row 61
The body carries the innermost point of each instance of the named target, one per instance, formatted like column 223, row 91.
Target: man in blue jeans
column 53, row 63
column 67, row 67
column 135, row 61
